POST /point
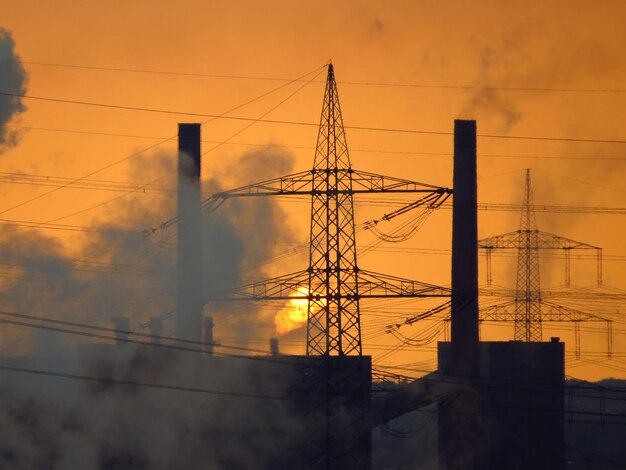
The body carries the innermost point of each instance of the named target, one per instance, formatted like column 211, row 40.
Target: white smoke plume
column 48, row 422
column 13, row 81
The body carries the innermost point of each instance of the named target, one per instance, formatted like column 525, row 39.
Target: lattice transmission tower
column 529, row 310
column 333, row 284
column 334, row 381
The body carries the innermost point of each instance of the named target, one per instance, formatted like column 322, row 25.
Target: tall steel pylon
column 528, row 286
column 333, row 283
column 335, row 380
column 334, row 325
column 529, row 310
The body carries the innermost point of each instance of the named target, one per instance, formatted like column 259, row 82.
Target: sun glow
column 294, row 314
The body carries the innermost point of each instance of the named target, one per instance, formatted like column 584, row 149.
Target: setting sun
column 294, row 314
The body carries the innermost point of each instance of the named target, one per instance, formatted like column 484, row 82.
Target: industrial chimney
column 464, row 318
column 274, row 347
column 459, row 423
column 209, row 340
column 189, row 295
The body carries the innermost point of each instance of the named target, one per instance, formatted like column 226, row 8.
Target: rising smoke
column 13, row 81
column 250, row 231
column 486, row 100
column 48, row 422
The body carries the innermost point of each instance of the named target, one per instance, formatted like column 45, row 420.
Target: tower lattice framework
column 333, row 284
column 528, row 286
column 529, row 309
column 336, row 377
column 333, row 325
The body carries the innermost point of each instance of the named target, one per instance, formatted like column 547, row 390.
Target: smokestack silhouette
column 189, row 296
column 12, row 81
column 209, row 340
column 274, row 347
column 459, row 422
column 464, row 329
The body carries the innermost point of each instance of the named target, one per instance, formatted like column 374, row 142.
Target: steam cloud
column 48, row 422
column 12, row 80
column 489, row 101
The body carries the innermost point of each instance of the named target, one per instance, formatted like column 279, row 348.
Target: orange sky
column 539, row 45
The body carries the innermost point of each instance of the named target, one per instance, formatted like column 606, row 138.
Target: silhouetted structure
column 516, row 409
column 189, row 294
column 458, row 419
column 508, row 412
column 528, row 310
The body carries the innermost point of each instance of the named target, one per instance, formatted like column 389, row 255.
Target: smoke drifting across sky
column 56, row 423
column 12, row 80
column 123, row 273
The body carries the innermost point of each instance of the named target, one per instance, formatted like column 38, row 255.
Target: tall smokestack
column 274, row 347
column 464, row 330
column 189, row 295
column 209, row 340
column 459, row 423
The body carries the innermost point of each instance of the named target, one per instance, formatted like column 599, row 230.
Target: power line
column 305, row 147
column 61, row 182
column 506, row 383
column 69, row 183
column 356, row 83
column 567, row 178
column 122, row 336
column 132, row 383
column 121, row 332
column 68, row 228
column 302, row 123
column 135, row 154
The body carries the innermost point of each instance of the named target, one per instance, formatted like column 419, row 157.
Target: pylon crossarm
column 302, row 183
column 550, row 241
column 550, row 312
column 557, row 313
column 293, row 184
column 376, row 285
column 288, row 286
column 499, row 312
column 370, row 286
column 504, row 241
column 545, row 241
column 365, row 182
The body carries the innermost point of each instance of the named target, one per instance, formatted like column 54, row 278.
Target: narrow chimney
column 122, row 329
column 464, row 329
column 274, row 347
column 209, row 339
column 189, row 297
column 460, row 423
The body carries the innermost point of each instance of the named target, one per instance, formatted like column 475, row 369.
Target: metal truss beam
column 545, row 241
column 371, row 285
column 301, row 183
